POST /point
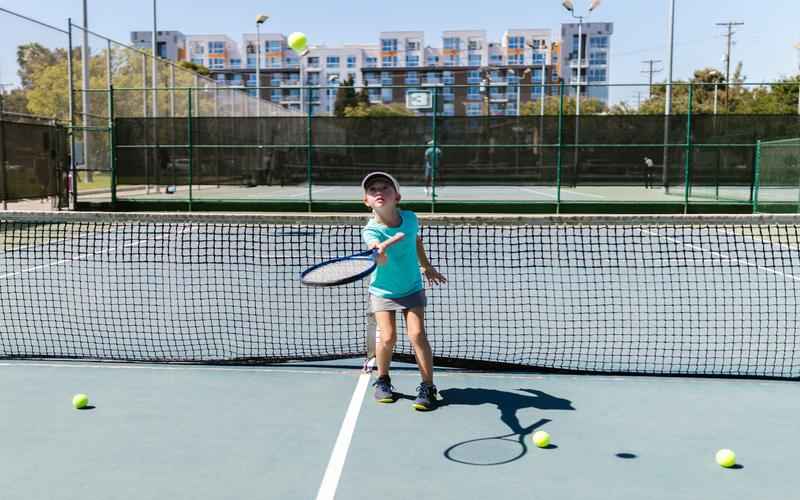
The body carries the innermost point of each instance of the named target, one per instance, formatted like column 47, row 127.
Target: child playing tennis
column 396, row 285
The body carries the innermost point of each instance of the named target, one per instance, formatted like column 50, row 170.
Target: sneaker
column 383, row 390
column 426, row 190
column 426, row 397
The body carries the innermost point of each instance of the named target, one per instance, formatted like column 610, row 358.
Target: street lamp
column 571, row 8
column 715, row 74
column 260, row 19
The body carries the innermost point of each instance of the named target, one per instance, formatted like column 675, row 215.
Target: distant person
column 648, row 172
column 431, row 154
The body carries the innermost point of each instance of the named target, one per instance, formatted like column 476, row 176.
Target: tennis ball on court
column 297, row 41
column 541, row 439
column 726, row 458
column 80, row 401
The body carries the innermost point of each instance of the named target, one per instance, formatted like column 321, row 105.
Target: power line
column 651, row 70
column 729, row 35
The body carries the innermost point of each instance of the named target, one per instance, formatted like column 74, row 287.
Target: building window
column 472, row 76
column 389, row 61
column 198, row 48
column 386, row 78
column 474, row 45
column 448, row 78
column 389, row 44
column 236, row 63
column 332, row 62
column 452, row 60
column 312, row 78
column 276, row 95
column 474, row 60
column 292, row 62
column 216, row 64
column 516, row 59
column 274, row 46
column 538, row 58
column 536, row 92
column 412, row 77
column 200, row 61
column 313, row 62
column 537, row 75
column 449, row 109
column 374, row 95
column 472, row 109
column 496, row 59
column 372, row 79
column 216, row 47
column 412, row 61
column 371, row 62
column 473, row 93
column 452, row 43
column 600, row 58
column 220, row 77
column 538, row 44
column 386, row 95
column 412, row 45
column 597, row 75
column 276, row 79
column 598, row 42
column 433, row 60
column 448, row 95
column 236, row 80
column 351, row 62
column 516, row 42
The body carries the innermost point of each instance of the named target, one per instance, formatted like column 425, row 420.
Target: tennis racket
column 343, row 270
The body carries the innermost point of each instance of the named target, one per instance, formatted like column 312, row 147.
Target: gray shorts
column 416, row 299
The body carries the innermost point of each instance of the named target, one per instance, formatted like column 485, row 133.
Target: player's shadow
column 508, row 403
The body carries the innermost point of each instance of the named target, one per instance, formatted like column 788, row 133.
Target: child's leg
column 415, row 324
column 388, row 337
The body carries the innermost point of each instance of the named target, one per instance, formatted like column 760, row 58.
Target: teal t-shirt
column 400, row 275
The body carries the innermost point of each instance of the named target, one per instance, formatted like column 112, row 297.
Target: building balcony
column 574, row 63
column 290, row 99
column 498, row 98
column 290, row 83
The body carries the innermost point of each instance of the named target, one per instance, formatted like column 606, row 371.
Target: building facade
column 171, row 44
column 471, row 74
column 594, row 67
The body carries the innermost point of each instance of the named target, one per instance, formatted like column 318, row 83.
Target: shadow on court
column 506, row 448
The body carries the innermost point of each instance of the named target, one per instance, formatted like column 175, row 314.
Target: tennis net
column 694, row 295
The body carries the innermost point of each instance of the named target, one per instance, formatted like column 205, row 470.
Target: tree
column 345, row 97
column 552, row 104
column 15, row 101
column 197, row 68
column 362, row 110
column 32, row 57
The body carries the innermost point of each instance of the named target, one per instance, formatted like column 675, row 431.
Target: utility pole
column 729, row 35
column 651, row 70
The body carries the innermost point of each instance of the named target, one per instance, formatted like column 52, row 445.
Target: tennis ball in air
column 541, row 439
column 298, row 41
column 80, row 401
column 726, row 458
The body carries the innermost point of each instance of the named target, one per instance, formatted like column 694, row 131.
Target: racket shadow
column 506, row 448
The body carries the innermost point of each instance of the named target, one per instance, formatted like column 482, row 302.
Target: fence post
column 112, row 141
column 73, row 169
column 3, row 185
column 687, row 161
column 560, row 142
column 190, row 143
column 309, row 146
column 435, row 159
column 756, row 176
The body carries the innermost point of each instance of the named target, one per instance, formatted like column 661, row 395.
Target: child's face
column 381, row 194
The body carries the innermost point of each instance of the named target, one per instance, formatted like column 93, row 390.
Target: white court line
column 327, row 490
column 723, row 256
column 585, row 195
column 539, row 193
column 313, row 191
column 553, row 196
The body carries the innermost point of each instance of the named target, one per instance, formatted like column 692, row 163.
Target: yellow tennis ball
column 726, row 458
column 80, row 401
column 298, row 41
column 541, row 439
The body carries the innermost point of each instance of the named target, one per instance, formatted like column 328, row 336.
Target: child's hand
column 381, row 258
column 433, row 276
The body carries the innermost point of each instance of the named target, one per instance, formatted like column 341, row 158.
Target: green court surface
column 182, row 431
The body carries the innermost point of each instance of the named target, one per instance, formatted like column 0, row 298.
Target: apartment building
column 170, row 44
column 472, row 75
column 594, row 66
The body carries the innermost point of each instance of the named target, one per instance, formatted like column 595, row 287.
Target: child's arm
column 433, row 276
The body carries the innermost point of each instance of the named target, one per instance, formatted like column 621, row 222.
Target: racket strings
column 336, row 271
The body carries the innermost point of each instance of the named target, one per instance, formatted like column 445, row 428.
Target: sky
column 765, row 43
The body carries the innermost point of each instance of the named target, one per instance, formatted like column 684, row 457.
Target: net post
column 560, row 142
column 190, row 142
column 309, row 147
column 112, row 141
column 687, row 161
column 435, row 165
column 756, row 176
